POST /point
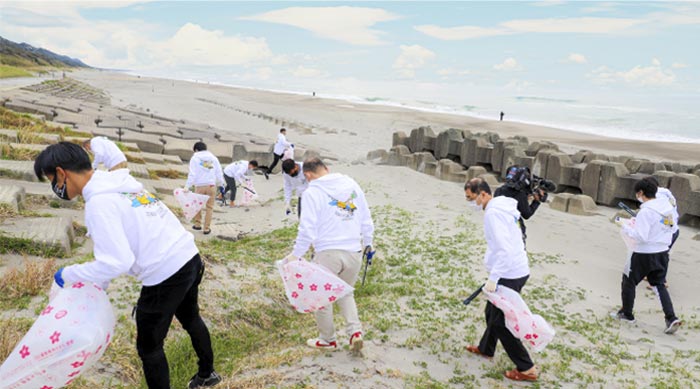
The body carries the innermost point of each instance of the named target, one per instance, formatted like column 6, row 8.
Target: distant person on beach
column 507, row 264
column 652, row 231
column 338, row 230
column 294, row 181
column 236, row 173
column 502, row 115
column 278, row 150
column 133, row 232
column 105, row 152
column 205, row 173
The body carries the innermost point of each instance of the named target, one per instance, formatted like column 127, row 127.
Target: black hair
column 288, row 165
column 283, row 130
column 254, row 163
column 477, row 185
column 67, row 155
column 199, row 146
column 647, row 187
column 313, row 164
column 652, row 179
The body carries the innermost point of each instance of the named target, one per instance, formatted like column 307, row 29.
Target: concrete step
column 8, row 135
column 52, row 236
column 23, row 170
column 164, row 186
column 12, row 196
column 42, row 189
column 138, row 170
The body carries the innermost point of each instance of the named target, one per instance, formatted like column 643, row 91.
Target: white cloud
column 548, row 3
column 518, row 85
column 600, row 7
column 679, row 65
column 345, row 24
column 459, row 33
column 509, row 64
column 640, row 76
column 452, row 72
column 304, row 72
column 411, row 58
column 576, row 58
column 195, row 45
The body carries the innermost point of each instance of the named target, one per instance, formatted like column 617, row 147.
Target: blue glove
column 292, row 145
column 370, row 253
column 58, row 277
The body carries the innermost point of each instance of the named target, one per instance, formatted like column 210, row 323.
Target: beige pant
column 120, row 165
column 345, row 264
column 209, row 190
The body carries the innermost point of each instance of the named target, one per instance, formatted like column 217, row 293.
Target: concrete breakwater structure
column 585, row 177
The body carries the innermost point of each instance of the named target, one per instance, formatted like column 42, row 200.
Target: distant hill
column 26, row 55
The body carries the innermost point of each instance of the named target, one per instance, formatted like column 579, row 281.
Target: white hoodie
column 297, row 183
column 663, row 193
column 237, row 170
column 105, row 152
column 132, row 232
column 505, row 255
column 281, row 144
column 205, row 170
column 653, row 226
column 335, row 217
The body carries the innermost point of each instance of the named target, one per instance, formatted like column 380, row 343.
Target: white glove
column 490, row 286
column 290, row 258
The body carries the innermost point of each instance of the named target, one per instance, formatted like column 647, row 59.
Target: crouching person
column 133, row 232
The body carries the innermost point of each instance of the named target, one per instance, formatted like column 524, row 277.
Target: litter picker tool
column 368, row 261
column 627, row 209
column 472, row 296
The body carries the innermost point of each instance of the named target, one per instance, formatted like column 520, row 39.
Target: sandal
column 516, row 375
column 206, row 232
column 475, row 350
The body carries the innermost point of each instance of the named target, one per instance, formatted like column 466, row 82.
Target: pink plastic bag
column 249, row 193
column 531, row 329
column 309, row 286
column 190, row 202
column 288, row 154
column 70, row 335
column 630, row 243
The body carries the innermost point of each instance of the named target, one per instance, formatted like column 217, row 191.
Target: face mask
column 296, row 173
column 639, row 198
column 475, row 206
column 61, row 192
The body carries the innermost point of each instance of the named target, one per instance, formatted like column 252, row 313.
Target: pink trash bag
column 249, row 193
column 310, row 286
column 70, row 335
column 288, row 154
column 531, row 329
column 190, row 202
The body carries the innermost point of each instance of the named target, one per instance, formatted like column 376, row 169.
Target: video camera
column 520, row 179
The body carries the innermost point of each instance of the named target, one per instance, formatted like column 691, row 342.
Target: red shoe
column 356, row 342
column 475, row 350
column 516, row 375
column 321, row 344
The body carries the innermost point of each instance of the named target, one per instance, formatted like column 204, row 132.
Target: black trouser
column 176, row 296
column 496, row 330
column 274, row 162
column 654, row 267
column 230, row 186
column 674, row 238
column 299, row 207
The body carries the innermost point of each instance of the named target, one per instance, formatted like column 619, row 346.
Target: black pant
column 274, row 162
column 176, row 296
column 654, row 267
column 299, row 207
column 230, row 186
column 496, row 330
column 674, row 238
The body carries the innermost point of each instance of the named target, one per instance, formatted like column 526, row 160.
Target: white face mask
column 639, row 198
column 475, row 206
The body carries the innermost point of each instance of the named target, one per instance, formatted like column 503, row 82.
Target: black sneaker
column 619, row 315
column 267, row 175
column 672, row 326
column 199, row 382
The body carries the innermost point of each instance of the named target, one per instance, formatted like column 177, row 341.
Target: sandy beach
column 576, row 261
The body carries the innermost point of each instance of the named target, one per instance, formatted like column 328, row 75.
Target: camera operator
column 518, row 186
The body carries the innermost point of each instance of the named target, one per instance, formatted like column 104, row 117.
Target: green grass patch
column 7, row 71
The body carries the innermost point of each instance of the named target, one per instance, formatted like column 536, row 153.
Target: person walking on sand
column 337, row 222
column 502, row 115
column 105, row 152
column 507, row 264
column 652, row 232
column 294, row 181
column 133, row 232
column 234, row 174
column 278, row 150
column 205, row 173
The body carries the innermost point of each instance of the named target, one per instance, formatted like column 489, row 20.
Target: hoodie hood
column 118, row 181
column 338, row 186
column 659, row 205
column 504, row 204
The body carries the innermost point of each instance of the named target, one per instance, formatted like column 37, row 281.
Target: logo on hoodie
column 206, row 164
column 667, row 221
column 141, row 199
column 344, row 209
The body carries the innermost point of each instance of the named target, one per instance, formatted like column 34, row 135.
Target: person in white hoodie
column 294, row 181
column 337, row 222
column 135, row 233
column 663, row 193
column 105, row 152
column 235, row 173
column 278, row 150
column 652, row 232
column 205, row 173
column 507, row 264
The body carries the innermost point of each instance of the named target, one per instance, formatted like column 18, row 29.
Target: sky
column 557, row 49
